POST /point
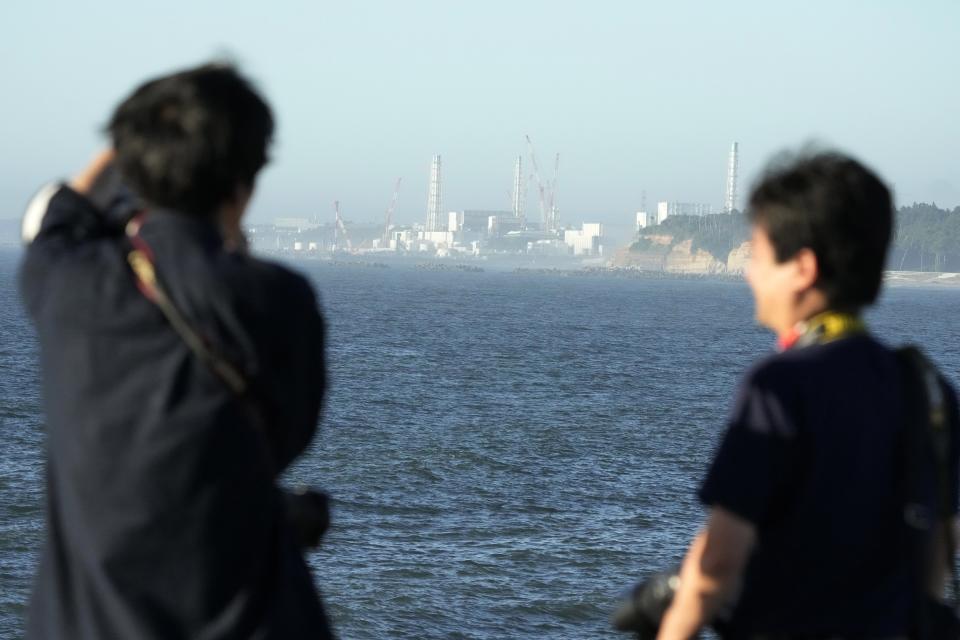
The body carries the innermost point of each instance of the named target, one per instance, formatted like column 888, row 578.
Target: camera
column 113, row 198
column 308, row 514
column 642, row 611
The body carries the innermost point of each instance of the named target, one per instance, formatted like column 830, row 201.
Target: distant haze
column 634, row 97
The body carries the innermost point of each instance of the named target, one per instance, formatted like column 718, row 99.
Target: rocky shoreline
column 891, row 278
column 920, row 278
column 629, row 272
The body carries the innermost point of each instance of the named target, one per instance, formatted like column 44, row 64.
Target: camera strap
column 141, row 262
column 928, row 438
column 295, row 504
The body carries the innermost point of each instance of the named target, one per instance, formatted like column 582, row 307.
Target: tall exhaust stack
column 435, row 221
column 733, row 166
column 554, row 220
column 518, row 190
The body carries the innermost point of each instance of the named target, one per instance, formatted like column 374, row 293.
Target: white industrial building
column 294, row 224
column 473, row 220
column 437, row 238
column 645, row 220
column 667, row 209
column 548, row 247
column 585, row 241
column 402, row 239
column 498, row 226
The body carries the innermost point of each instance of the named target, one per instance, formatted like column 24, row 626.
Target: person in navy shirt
column 163, row 517
column 806, row 536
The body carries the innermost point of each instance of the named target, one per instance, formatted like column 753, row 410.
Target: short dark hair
column 836, row 207
column 187, row 141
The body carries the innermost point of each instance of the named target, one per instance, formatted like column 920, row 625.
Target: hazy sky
column 634, row 95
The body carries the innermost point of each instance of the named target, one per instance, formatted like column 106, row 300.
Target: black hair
column 833, row 205
column 187, row 141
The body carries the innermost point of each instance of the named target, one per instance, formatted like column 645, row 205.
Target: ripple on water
column 507, row 454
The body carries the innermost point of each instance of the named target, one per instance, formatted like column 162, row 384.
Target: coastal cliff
column 737, row 259
column 927, row 240
column 661, row 253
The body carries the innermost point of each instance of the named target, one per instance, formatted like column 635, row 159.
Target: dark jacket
column 163, row 517
column 814, row 457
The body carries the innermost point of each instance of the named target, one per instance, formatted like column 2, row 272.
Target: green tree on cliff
column 717, row 234
column 927, row 238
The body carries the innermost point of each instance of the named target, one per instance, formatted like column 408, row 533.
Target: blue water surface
column 508, row 452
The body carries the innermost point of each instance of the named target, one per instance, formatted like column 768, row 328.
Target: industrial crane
column 547, row 192
column 540, row 188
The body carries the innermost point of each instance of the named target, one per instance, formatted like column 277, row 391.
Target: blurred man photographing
column 807, row 535
column 181, row 377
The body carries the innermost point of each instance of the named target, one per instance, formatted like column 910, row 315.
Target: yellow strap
column 833, row 325
column 143, row 268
